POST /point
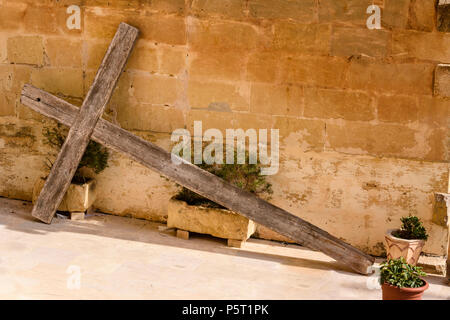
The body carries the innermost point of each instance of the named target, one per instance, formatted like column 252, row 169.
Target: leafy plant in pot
column 189, row 211
column 81, row 193
column 408, row 241
column 402, row 281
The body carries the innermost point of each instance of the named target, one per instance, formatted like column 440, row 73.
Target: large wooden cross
column 86, row 124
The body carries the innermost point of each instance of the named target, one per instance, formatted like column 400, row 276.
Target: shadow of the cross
column 16, row 215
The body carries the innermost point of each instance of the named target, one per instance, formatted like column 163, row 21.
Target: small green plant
column 95, row 156
column 401, row 274
column 245, row 176
column 412, row 228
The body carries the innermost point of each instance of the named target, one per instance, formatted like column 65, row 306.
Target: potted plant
column 81, row 193
column 408, row 241
column 190, row 212
column 401, row 281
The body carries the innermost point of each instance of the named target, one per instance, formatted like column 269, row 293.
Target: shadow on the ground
column 16, row 215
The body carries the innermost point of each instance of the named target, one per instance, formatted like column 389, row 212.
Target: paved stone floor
column 109, row 257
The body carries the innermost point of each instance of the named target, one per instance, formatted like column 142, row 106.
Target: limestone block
column 276, row 99
column 432, row 264
column 301, row 38
column 443, row 16
column 218, row 36
column 78, row 198
column 156, row 89
column 348, row 42
column 422, row 45
column 338, row 104
column 441, row 209
column 315, row 71
column 76, row 215
column 442, row 80
column 400, row 109
column 422, row 15
column 434, row 111
column 64, row 52
column 226, row 65
column 395, row 13
column 210, row 119
column 11, row 15
column 349, row 11
column 406, row 78
column 235, row 243
column 41, row 20
column 364, row 138
column 309, row 134
column 183, row 234
column 220, row 223
column 247, row 121
column 172, row 61
column 263, row 66
column 168, row 6
column 208, row 94
column 66, row 81
column 303, row 11
column 26, row 49
column 231, row 9
column 150, row 117
column 143, row 58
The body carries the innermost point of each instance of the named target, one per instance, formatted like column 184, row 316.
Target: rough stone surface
column 217, row 222
column 76, row 215
column 26, row 50
column 422, row 15
column 433, row 265
column 441, row 209
column 443, row 17
column 442, row 80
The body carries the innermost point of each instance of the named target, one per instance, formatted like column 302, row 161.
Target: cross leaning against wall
column 85, row 124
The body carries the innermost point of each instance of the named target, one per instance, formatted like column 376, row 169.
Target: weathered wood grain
column 84, row 123
column 202, row 182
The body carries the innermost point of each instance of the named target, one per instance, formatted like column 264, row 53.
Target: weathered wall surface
column 363, row 139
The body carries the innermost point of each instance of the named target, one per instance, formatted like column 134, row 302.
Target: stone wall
column 363, row 132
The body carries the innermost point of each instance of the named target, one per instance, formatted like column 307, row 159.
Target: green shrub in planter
column 245, row 176
column 95, row 156
column 400, row 274
column 411, row 229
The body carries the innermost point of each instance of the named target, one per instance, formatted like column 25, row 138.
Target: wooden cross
column 86, row 124
column 79, row 134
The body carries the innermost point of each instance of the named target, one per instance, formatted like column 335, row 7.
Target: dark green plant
column 95, row 156
column 411, row 228
column 401, row 274
column 245, row 176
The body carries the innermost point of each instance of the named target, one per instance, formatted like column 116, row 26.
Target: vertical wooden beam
column 79, row 135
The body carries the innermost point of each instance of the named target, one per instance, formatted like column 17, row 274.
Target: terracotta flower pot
column 395, row 293
column 408, row 249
